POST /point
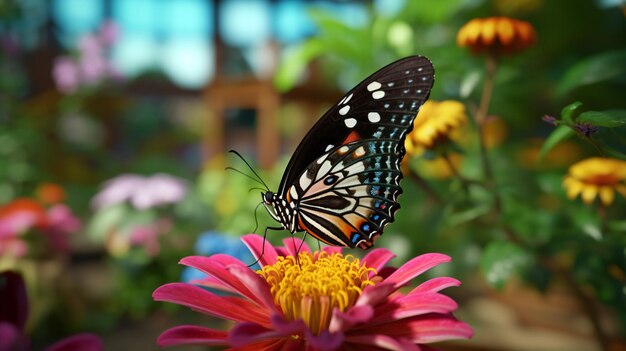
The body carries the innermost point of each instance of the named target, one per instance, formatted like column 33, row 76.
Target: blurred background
column 116, row 117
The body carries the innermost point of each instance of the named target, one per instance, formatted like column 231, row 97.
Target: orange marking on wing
column 305, row 228
column 353, row 136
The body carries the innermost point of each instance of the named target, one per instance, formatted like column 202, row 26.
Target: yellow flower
column 311, row 288
column 497, row 35
column 596, row 176
column 439, row 168
column 436, row 122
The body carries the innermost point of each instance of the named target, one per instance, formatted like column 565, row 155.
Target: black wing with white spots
column 342, row 183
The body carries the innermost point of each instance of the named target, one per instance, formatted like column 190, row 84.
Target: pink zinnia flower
column 322, row 300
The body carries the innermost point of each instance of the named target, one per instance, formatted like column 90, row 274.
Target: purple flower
column 549, row 119
column 109, row 32
column 142, row 192
column 66, row 74
column 13, row 315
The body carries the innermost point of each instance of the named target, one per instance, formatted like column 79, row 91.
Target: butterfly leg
column 263, row 246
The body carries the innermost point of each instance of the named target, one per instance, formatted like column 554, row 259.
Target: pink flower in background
column 66, row 74
column 322, row 300
column 147, row 235
column 142, row 192
column 61, row 222
column 109, row 32
column 23, row 215
column 16, row 218
column 92, row 65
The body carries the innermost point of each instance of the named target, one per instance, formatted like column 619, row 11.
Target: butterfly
column 343, row 181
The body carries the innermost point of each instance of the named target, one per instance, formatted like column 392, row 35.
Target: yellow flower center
column 311, row 288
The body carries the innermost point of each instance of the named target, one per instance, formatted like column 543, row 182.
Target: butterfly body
column 343, row 181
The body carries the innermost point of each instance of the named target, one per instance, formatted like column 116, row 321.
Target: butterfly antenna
column 243, row 174
column 252, row 169
column 256, row 188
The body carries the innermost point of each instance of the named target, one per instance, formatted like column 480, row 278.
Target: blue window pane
column 291, row 21
column 75, row 17
column 137, row 16
column 351, row 13
column 245, row 23
column 187, row 18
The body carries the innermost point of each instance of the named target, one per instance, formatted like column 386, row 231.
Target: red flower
column 322, row 301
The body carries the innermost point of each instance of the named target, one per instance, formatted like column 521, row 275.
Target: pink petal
column 326, row 341
column 260, row 249
column 384, row 342
column 375, row 294
column 216, row 269
column 413, row 305
column 342, row 321
column 255, row 284
column 249, row 333
column 232, row 308
column 295, row 245
column 192, row 334
column 212, row 282
column 423, row 329
column 415, row 267
column 83, row 342
column 435, row 285
column 428, row 330
column 377, row 258
column 285, row 327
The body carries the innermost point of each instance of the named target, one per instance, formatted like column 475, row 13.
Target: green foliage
column 500, row 260
column 602, row 67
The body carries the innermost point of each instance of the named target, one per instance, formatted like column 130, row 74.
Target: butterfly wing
column 347, row 196
column 345, row 175
column 383, row 106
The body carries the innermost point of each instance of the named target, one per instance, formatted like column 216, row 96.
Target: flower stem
column 423, row 184
column 585, row 302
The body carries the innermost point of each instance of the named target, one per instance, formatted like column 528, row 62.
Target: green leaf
column 594, row 69
column 559, row 134
column 500, row 260
column 609, row 118
column 295, row 63
column 568, row 111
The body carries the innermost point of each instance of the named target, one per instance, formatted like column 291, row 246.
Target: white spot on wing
column 350, row 122
column 304, row 182
column 321, row 159
column 348, row 98
column 294, row 194
column 343, row 149
column 344, row 110
column 373, row 117
column 378, row 94
column 323, row 170
column 373, row 86
column 359, row 152
column 330, row 146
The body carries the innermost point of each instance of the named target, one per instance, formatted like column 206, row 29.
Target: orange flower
column 50, row 193
column 497, row 35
